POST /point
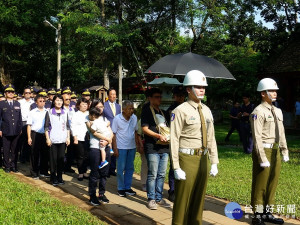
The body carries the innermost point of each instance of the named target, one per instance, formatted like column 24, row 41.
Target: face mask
column 269, row 96
column 199, row 97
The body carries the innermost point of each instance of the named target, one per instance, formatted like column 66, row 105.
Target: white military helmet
column 267, row 84
column 195, row 77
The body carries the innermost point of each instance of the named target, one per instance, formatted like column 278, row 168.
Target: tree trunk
column 120, row 66
column 296, row 11
column 103, row 12
column 4, row 77
column 173, row 14
column 103, row 20
column 106, row 78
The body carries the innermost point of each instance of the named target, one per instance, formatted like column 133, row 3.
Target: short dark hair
column 246, row 94
column 111, row 89
column 38, row 97
column 55, row 97
column 81, row 100
column 94, row 112
column 153, row 91
column 95, row 102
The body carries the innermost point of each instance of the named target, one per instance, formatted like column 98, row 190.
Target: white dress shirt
column 36, row 118
column 25, row 108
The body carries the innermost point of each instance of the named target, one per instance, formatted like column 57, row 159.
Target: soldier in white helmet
column 269, row 138
column 192, row 140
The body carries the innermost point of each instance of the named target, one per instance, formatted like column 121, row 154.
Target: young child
column 100, row 129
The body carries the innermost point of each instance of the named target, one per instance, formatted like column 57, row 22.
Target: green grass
column 235, row 171
column 23, row 204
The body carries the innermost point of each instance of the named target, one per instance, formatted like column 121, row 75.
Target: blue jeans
column 125, row 168
column 157, row 166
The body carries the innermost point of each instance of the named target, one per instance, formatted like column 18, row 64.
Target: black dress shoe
column 113, row 173
column 80, row 178
column 69, row 170
column 7, row 170
column 257, row 221
column 171, row 196
column 271, row 219
column 15, row 170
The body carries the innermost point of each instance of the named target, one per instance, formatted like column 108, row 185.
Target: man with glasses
column 157, row 153
column 10, row 114
column 66, row 94
column 23, row 146
column 39, row 157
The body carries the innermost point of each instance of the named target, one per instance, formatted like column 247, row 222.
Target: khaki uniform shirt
column 186, row 131
column 263, row 129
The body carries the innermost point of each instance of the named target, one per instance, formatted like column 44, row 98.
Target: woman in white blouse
column 57, row 131
column 79, row 131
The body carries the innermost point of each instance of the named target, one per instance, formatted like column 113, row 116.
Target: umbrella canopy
column 181, row 63
column 165, row 81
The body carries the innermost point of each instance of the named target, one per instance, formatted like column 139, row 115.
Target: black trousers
column 57, row 154
column 82, row 156
column 96, row 173
column 39, row 157
column 113, row 165
column 70, row 154
column 1, row 152
column 10, row 152
column 23, row 147
column 235, row 125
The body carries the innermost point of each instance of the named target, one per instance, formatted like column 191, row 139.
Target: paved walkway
column 130, row 210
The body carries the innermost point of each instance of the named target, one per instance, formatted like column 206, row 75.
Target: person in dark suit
column 10, row 114
column 111, row 109
column 2, row 98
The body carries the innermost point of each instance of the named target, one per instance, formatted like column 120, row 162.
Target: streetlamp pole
column 58, row 83
column 58, row 40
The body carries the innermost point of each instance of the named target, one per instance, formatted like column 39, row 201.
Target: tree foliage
column 95, row 32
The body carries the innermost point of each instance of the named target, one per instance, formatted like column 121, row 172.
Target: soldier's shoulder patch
column 254, row 116
column 172, row 116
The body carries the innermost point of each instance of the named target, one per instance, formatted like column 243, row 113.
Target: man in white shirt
column 66, row 94
column 124, row 144
column 23, row 146
column 39, row 157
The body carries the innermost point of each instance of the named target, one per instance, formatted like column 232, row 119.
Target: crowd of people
column 52, row 128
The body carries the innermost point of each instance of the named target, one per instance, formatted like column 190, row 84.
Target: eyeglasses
column 10, row 91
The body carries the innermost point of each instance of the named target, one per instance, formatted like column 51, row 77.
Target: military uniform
column 187, row 153
column 11, row 127
column 266, row 134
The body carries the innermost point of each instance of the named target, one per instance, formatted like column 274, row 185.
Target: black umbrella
column 181, row 63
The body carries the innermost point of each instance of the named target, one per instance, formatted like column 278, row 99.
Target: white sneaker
column 152, row 205
column 163, row 203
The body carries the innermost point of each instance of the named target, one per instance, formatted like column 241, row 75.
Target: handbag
column 162, row 128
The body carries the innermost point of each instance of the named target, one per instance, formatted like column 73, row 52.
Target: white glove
column 179, row 174
column 285, row 158
column 265, row 164
column 214, row 170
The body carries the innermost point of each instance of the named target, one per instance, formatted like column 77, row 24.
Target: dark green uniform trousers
column 265, row 180
column 190, row 193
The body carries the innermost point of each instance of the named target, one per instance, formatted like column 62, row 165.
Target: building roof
column 288, row 61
